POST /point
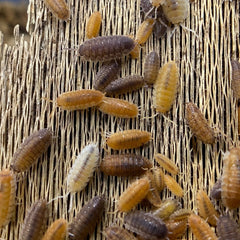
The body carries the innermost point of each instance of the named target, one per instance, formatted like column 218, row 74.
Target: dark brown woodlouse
column 151, row 67
column 235, row 83
column 216, row 190
column 106, row 48
column 85, row 221
column 31, row 149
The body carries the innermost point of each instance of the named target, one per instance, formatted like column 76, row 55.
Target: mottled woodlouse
column 235, row 83
column 117, row 233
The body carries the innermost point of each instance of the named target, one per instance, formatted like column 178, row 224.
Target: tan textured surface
column 41, row 69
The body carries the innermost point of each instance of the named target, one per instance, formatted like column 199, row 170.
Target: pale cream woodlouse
column 93, row 25
column 59, row 8
column 83, row 168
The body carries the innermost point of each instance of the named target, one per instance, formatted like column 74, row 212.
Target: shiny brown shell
column 106, row 48
column 118, row 233
column 125, row 165
column 198, row 124
column 31, row 150
column 235, row 83
column 58, row 8
column 176, row 228
column 85, row 221
column 93, row 25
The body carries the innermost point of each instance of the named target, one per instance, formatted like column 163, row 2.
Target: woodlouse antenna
column 189, row 30
column 58, row 197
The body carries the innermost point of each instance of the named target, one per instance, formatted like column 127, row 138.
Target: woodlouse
column 173, row 186
column 198, row 124
column 136, row 50
column 31, row 149
column 107, row 73
column 93, row 25
column 57, row 230
column 83, row 168
column 165, row 87
column 118, row 233
column 206, row 209
column 133, row 195
column 85, row 221
column 7, row 196
column 144, row 31
column 176, row 228
column 146, row 225
column 125, row 165
column 118, row 108
column 128, row 139
column 231, row 178
column 151, row 67
column 200, row 229
column 180, row 215
column 80, row 99
column 216, row 191
column 159, row 178
column 59, row 8
column 166, row 163
column 34, row 222
column 123, row 85
column 227, row 229
column 176, row 11
column 235, row 83
column 106, row 48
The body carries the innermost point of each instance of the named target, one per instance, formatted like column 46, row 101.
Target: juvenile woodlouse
column 144, row 31
column 159, row 178
column 93, row 25
column 176, row 228
column 180, row 215
column 200, row 229
column 176, row 11
column 165, row 87
column 118, row 108
column 31, row 149
column 216, row 191
column 86, row 220
column 235, row 83
column 206, row 209
column 125, row 165
column 173, row 186
column 118, row 233
column 123, row 85
column 166, row 163
column 146, row 225
column 59, row 8
column 227, row 229
column 136, row 50
column 57, row 230
column 128, row 139
column 106, row 48
column 7, row 196
column 34, row 222
column 80, row 99
column 198, row 124
column 107, row 73
column 134, row 194
column 83, row 168
column 231, row 178
column 151, row 67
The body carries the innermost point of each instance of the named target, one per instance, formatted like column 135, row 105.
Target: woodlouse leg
column 190, row 30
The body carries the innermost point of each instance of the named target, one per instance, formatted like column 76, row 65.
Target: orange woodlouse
column 216, row 191
column 176, row 228
column 231, row 178
column 7, row 196
column 151, row 67
column 146, row 225
column 227, row 229
column 144, row 31
column 198, row 124
column 117, row 233
column 134, row 194
column 180, row 215
column 83, row 168
column 165, row 87
column 128, row 139
column 118, row 108
column 106, row 48
column 57, row 230
column 34, row 222
column 86, row 220
column 176, row 11
column 200, row 229
column 136, row 50
column 166, row 163
column 123, row 85
column 159, row 178
column 206, row 209
column 31, row 149
column 125, row 165
column 80, row 99
column 235, row 83
column 93, row 25
column 173, row 186
column 59, row 8
column 107, row 73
